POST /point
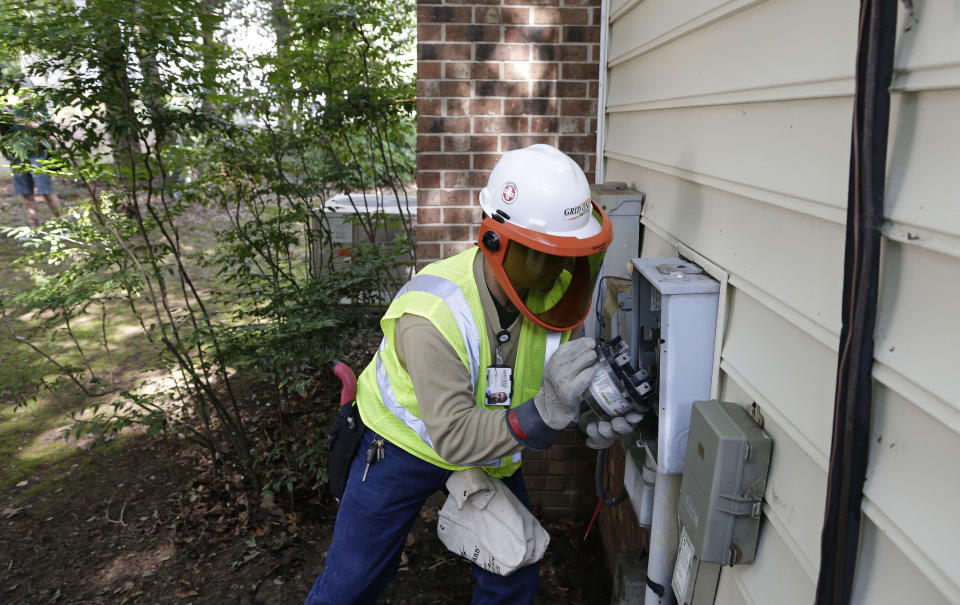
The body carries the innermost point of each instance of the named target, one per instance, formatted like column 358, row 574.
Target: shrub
column 160, row 124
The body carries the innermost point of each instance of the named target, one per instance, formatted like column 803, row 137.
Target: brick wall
column 496, row 75
column 619, row 527
column 560, row 480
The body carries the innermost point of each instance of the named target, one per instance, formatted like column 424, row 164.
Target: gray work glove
column 565, row 378
column 601, row 434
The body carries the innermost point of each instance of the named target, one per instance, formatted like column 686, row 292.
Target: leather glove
column 565, row 378
column 601, row 434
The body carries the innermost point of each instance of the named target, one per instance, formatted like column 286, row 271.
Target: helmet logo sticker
column 577, row 211
column 509, row 193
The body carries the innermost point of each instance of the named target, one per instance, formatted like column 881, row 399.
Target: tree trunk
column 282, row 29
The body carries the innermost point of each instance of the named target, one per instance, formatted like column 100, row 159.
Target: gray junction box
column 728, row 456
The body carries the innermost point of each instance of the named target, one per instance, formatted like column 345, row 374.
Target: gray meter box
column 728, row 456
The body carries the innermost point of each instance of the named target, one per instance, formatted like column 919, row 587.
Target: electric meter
column 616, row 387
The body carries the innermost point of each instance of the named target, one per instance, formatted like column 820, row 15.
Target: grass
column 33, row 446
column 33, row 423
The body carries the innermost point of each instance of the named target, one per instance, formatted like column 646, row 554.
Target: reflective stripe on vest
column 390, row 401
column 553, row 342
column 499, row 461
column 452, row 295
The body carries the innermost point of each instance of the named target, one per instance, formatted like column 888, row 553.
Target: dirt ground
column 120, row 532
column 140, row 521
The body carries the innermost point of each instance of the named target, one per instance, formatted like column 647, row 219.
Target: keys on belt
column 374, row 455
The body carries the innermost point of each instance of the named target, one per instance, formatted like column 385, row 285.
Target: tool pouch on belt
column 485, row 523
column 343, row 441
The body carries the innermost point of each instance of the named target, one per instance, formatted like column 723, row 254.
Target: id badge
column 499, row 385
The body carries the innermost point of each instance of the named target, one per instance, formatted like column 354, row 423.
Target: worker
column 476, row 365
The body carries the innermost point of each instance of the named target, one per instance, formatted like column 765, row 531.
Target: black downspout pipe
column 849, row 452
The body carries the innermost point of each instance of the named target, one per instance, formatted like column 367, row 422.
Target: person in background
column 30, row 185
column 29, row 182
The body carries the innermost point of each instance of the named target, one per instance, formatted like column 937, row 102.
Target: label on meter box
column 606, row 392
column 683, row 570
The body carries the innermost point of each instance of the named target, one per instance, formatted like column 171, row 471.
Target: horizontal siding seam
column 926, row 401
column 827, row 337
column 805, row 206
column 667, row 237
column 918, row 80
column 769, row 93
column 678, row 31
column 943, row 76
column 808, row 565
column 824, row 335
column 809, row 447
column 911, row 551
column 935, row 240
column 623, row 9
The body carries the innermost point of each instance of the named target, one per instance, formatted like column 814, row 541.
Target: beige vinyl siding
column 729, row 592
column 734, row 119
column 888, row 577
column 770, row 50
column 913, row 483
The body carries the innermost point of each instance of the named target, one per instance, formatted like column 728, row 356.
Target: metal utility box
column 728, row 456
column 623, row 205
column 674, row 326
column 339, row 225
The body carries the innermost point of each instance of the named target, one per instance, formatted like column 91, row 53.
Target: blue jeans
column 374, row 519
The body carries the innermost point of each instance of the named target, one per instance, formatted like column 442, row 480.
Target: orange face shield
column 548, row 278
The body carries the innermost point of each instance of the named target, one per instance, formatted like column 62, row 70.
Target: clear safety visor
column 548, row 278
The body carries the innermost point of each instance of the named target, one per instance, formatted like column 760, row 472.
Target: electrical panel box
column 674, row 328
column 728, row 456
column 623, row 205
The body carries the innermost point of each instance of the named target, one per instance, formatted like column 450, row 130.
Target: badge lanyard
column 500, row 376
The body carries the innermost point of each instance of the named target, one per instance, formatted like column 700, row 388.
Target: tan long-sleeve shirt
column 461, row 432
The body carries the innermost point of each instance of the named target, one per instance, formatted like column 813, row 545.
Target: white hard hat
column 542, row 189
column 544, row 236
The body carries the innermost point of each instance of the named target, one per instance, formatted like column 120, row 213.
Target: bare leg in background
column 30, row 207
column 53, row 202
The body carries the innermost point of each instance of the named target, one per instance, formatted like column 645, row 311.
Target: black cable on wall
column 853, row 397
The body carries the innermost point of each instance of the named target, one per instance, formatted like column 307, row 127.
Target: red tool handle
column 349, row 380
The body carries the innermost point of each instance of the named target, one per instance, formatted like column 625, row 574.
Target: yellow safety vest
column 446, row 294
